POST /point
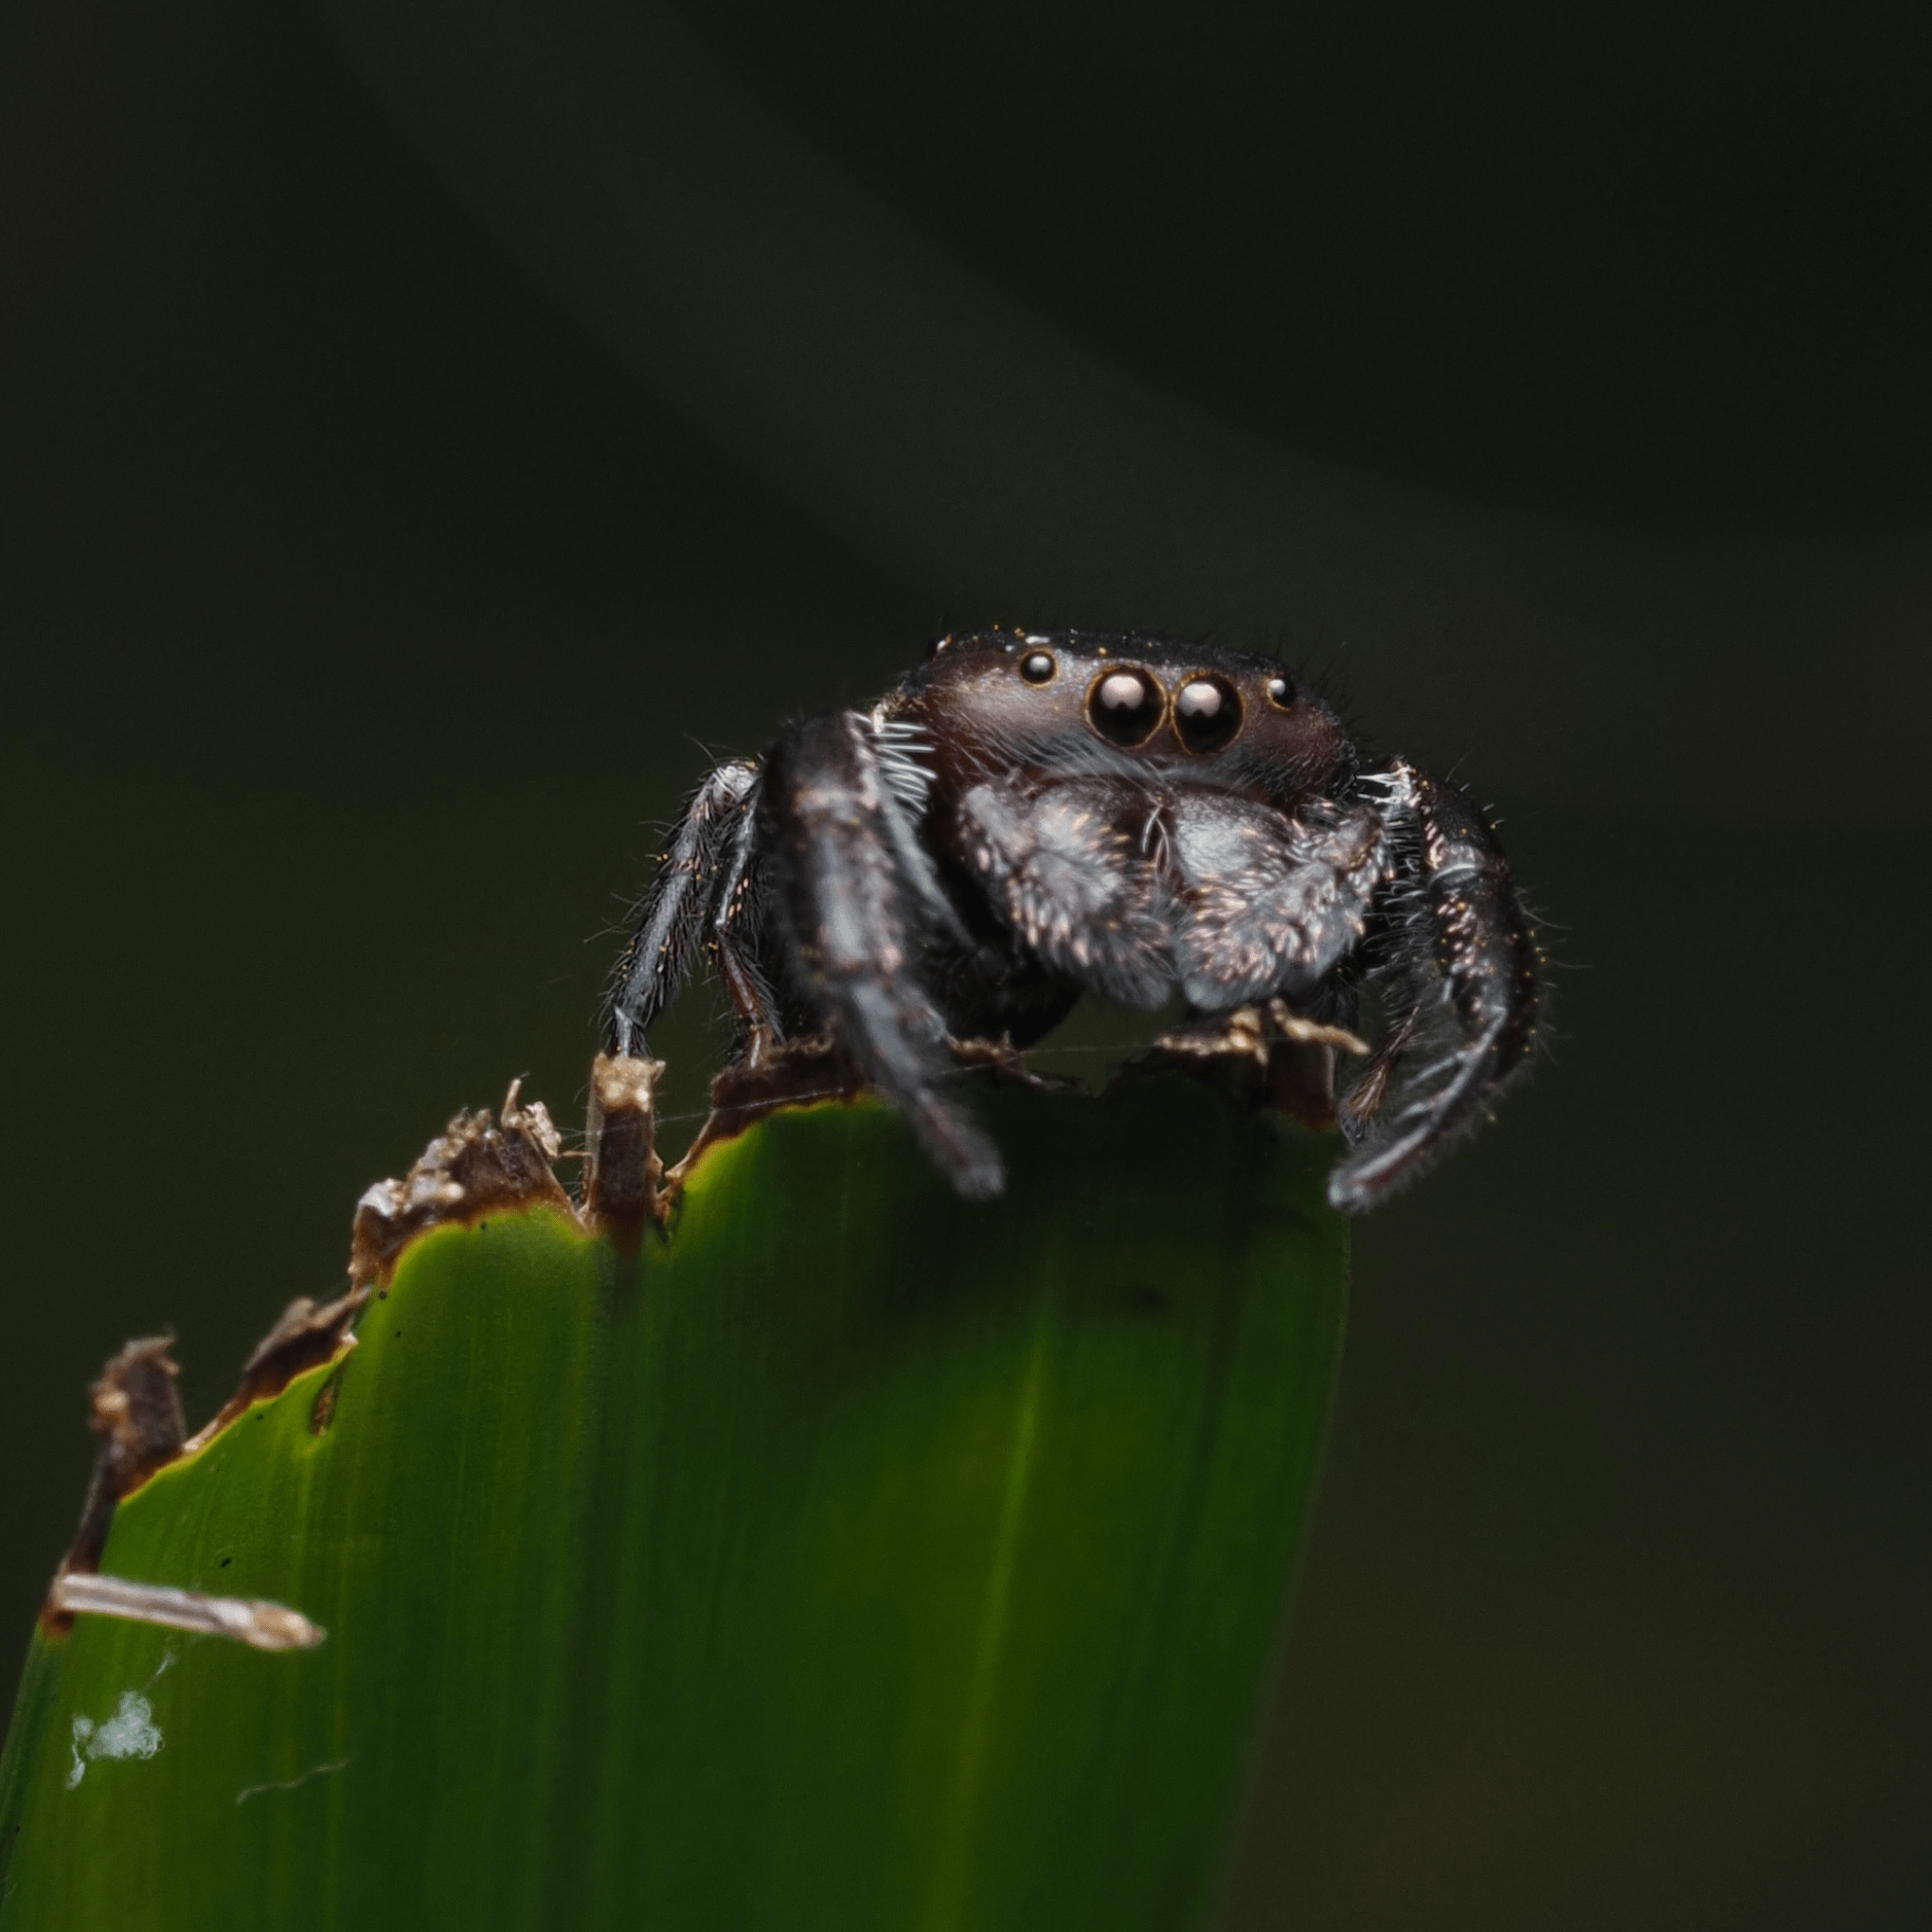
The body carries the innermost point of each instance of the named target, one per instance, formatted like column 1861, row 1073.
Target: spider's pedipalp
column 1273, row 902
column 1067, row 881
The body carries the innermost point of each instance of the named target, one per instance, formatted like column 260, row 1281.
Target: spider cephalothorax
column 1028, row 816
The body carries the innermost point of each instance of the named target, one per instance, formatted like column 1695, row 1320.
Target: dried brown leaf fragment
column 623, row 1177
column 471, row 1170
column 136, row 1412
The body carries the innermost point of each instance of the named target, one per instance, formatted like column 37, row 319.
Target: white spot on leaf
column 131, row 1732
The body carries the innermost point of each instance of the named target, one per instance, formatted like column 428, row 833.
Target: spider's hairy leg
column 854, row 893
column 678, row 909
column 737, row 935
column 1462, row 958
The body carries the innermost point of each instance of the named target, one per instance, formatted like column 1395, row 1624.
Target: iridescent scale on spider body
column 1028, row 816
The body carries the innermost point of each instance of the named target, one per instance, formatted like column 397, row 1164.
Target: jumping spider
column 1028, row 816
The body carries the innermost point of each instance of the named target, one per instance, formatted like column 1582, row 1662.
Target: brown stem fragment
column 259, row 1624
column 623, row 1177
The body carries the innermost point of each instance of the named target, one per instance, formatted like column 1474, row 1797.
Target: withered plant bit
column 250, row 1621
column 136, row 1413
column 323, row 1413
column 305, row 1335
column 799, row 1073
column 622, row 1176
column 467, row 1171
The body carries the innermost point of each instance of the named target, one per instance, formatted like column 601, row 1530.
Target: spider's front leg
column 858, row 898
column 702, row 895
column 1462, row 957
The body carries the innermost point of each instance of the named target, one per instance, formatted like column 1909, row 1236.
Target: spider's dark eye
column 1206, row 713
column 1126, row 706
column 1281, row 691
column 1037, row 667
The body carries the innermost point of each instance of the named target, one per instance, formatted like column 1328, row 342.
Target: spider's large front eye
column 1126, row 706
column 1206, row 713
column 1037, row 667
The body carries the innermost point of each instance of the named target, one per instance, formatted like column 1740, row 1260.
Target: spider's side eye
column 1206, row 713
column 1281, row 691
column 1038, row 667
column 1126, row 706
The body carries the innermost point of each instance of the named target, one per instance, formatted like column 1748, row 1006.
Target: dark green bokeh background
column 361, row 609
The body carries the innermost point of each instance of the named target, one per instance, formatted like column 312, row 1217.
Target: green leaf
column 857, row 1558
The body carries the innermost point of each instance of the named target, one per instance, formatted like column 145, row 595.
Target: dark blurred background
column 428, row 432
